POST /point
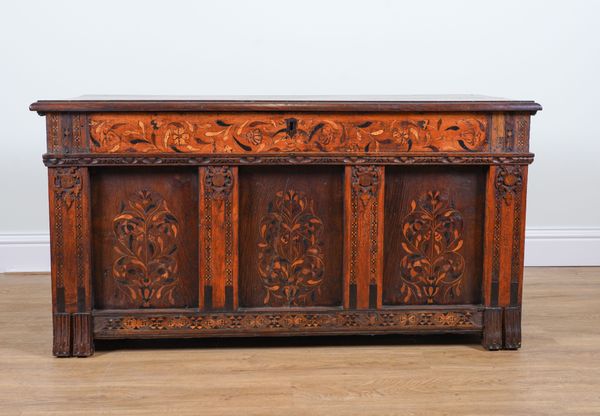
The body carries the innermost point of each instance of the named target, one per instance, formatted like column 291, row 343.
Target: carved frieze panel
column 260, row 133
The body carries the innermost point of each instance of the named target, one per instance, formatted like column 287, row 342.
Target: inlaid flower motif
column 176, row 135
column 254, row 136
column 290, row 262
column 432, row 267
column 145, row 269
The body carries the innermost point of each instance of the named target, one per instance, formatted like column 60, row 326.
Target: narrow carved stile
column 506, row 208
column 145, row 268
column 218, row 239
column 364, row 224
column 291, row 261
column 70, row 224
column 432, row 267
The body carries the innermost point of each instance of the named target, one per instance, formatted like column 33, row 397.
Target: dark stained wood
column 492, row 329
column 289, row 158
column 247, row 216
column 70, row 228
column 83, row 341
column 291, row 236
column 145, row 233
column 434, row 224
column 298, row 103
column 286, row 321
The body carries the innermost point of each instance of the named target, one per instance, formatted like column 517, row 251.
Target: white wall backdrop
column 542, row 50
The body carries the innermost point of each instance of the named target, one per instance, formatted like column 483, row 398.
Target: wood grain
column 382, row 103
column 157, row 211
column 434, row 233
column 556, row 372
column 307, row 241
column 335, row 231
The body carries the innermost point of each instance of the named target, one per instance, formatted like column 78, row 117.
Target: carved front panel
column 298, row 132
column 145, row 268
column 433, row 236
column 145, row 238
column 290, row 237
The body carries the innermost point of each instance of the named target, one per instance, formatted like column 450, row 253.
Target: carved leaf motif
column 290, row 259
column 67, row 185
column 432, row 268
column 256, row 133
column 146, row 233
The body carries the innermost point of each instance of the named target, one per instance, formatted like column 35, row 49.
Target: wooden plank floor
column 557, row 372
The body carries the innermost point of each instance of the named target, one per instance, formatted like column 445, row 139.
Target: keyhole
column 291, row 126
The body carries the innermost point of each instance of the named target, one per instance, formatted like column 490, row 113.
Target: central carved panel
column 290, row 236
column 290, row 259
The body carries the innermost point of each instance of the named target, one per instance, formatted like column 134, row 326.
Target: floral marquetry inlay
column 284, row 321
column 432, row 267
column 260, row 133
column 290, row 260
column 146, row 232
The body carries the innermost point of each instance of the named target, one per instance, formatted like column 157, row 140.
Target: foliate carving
column 320, row 159
column 365, row 187
column 68, row 203
column 285, row 321
column 218, row 187
column 432, row 268
column 67, row 185
column 509, row 182
column 219, row 181
column 259, row 133
column 146, row 232
column 290, row 257
column 365, row 182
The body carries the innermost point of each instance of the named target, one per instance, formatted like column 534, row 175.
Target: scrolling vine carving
column 146, row 233
column 257, row 133
column 432, row 269
column 290, row 259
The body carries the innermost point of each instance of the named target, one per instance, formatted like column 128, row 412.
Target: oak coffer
column 257, row 216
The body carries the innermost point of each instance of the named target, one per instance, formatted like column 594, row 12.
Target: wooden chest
column 208, row 217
